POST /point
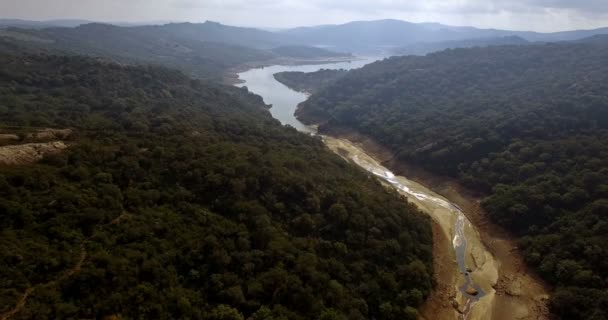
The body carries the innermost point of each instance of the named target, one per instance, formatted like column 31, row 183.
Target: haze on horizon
column 535, row 15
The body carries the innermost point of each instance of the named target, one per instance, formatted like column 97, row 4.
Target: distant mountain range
column 211, row 50
column 68, row 23
column 357, row 36
column 29, row 24
column 361, row 36
column 423, row 48
column 207, row 50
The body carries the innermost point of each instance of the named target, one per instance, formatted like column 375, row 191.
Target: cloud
column 464, row 6
column 592, row 6
column 540, row 15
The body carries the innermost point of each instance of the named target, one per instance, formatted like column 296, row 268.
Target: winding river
column 474, row 264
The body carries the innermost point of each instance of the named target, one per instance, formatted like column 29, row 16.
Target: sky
column 535, row 15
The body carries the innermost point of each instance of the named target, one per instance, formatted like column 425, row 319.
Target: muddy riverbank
column 516, row 292
column 458, row 244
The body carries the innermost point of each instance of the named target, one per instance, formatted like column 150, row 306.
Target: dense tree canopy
column 310, row 82
column 305, row 52
column 182, row 199
column 162, row 46
column 528, row 125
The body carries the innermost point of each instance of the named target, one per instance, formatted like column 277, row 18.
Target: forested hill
column 309, row 82
column 208, row 60
column 208, row 51
column 304, row 52
column 528, row 125
column 178, row 199
column 423, row 48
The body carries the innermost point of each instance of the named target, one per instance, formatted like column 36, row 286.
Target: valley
column 466, row 270
column 355, row 170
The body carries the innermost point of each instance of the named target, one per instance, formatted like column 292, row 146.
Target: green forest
column 181, row 199
column 310, row 82
column 525, row 125
column 304, row 52
column 209, row 51
column 200, row 59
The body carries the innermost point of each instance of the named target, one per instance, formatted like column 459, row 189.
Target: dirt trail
column 66, row 275
column 511, row 292
column 29, row 291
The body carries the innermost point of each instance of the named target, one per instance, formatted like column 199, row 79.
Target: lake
column 284, row 101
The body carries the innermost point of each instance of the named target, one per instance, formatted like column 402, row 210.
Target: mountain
column 310, row 82
column 208, row 50
column 563, row 36
column 181, row 199
column 29, row 24
column 216, row 32
column 428, row 47
column 304, row 52
column 595, row 39
column 525, row 125
column 382, row 35
column 148, row 45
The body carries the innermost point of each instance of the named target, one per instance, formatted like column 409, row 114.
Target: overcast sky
column 538, row 15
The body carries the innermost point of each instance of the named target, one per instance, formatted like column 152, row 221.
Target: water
column 284, row 101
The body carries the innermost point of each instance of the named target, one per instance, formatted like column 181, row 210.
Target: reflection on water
column 283, row 100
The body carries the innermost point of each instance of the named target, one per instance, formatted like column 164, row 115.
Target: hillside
column 141, row 45
column 217, row 32
column 310, row 82
column 29, row 24
column 304, row 52
column 424, row 48
column 382, row 35
column 526, row 125
column 181, row 199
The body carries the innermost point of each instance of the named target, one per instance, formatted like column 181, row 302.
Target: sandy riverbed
column 494, row 262
column 478, row 259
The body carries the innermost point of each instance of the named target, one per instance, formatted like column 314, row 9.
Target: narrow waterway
column 475, row 266
column 284, row 100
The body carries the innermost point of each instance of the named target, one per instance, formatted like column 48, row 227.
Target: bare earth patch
column 29, row 153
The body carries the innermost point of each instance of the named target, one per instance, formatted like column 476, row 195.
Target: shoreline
column 509, row 289
column 447, row 300
column 515, row 292
column 231, row 77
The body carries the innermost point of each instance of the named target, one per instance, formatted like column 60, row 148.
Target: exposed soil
column 29, row 153
column 33, row 147
column 519, row 292
column 50, row 134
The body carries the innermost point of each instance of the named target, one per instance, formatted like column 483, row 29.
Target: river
column 284, row 100
column 474, row 266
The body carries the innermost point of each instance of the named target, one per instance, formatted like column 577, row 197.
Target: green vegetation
column 310, row 82
column 304, row 52
column 208, row 51
column 142, row 45
column 528, row 125
column 423, row 48
column 186, row 200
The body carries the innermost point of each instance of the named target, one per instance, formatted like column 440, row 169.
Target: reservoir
column 284, row 100
column 473, row 266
